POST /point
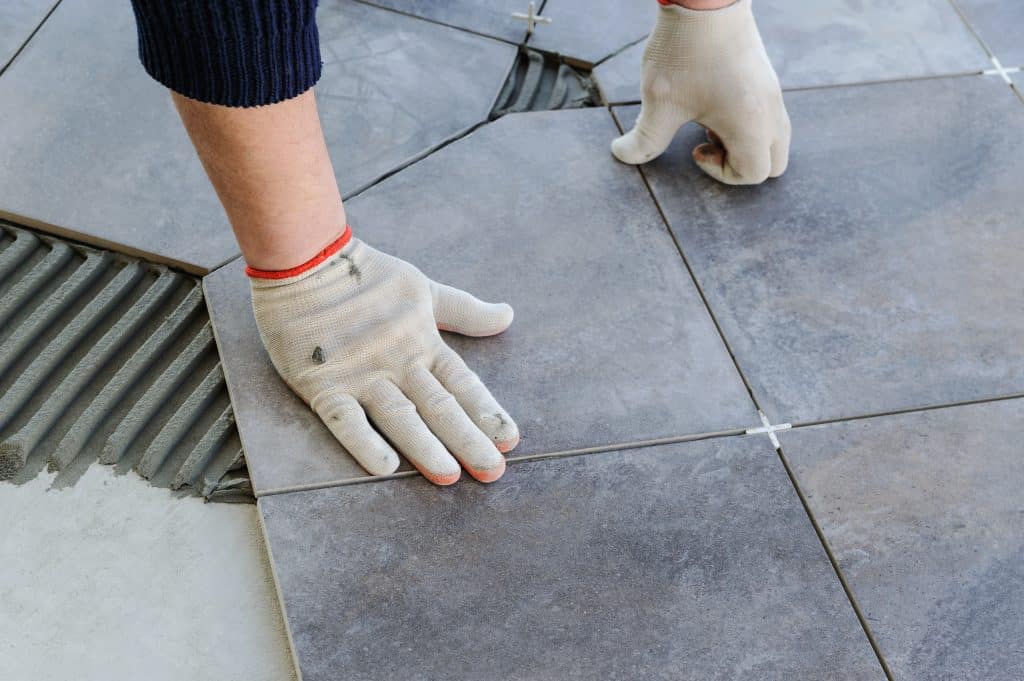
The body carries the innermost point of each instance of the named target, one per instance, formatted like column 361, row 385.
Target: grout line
column 619, row 51
column 563, row 454
column 851, row 84
column 835, row 566
column 999, row 69
column 970, row 27
column 438, row 22
column 693, row 276
column 908, row 410
column 4, row 67
column 230, row 260
column 279, row 591
column 430, row 151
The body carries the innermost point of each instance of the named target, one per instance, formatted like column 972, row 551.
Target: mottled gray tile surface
column 491, row 17
column 17, row 21
column 591, row 31
column 1000, row 23
column 285, row 443
column 882, row 271
column 394, row 86
column 834, row 42
column 924, row 512
column 689, row 561
column 610, row 345
column 611, row 342
column 90, row 144
column 619, row 76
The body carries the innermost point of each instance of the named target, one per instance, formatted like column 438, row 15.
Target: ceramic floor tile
column 1000, row 23
column 17, row 21
column 834, row 42
column 394, row 86
column 589, row 32
column 91, row 145
column 611, row 343
column 881, row 272
column 924, row 513
column 689, row 561
column 490, row 17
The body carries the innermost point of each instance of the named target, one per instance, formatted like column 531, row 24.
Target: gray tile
column 619, row 77
column 17, row 21
column 394, row 86
column 881, row 272
column 1000, row 23
column 285, row 444
column 834, row 42
column 587, row 31
column 91, row 145
column 490, row 17
column 924, row 512
column 611, row 343
column 689, row 561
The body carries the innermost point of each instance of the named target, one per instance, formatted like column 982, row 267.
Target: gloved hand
column 711, row 66
column 354, row 333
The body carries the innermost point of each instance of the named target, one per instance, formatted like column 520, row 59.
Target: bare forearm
column 271, row 170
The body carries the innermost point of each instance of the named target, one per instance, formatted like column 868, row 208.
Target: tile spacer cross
column 1001, row 71
column 531, row 17
column 769, row 428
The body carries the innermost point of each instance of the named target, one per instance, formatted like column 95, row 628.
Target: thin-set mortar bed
column 108, row 358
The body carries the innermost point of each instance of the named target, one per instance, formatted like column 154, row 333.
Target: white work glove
column 711, row 66
column 356, row 335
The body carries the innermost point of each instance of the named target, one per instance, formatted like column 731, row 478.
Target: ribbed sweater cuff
column 230, row 52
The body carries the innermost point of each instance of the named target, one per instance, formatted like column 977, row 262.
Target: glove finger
column 347, row 422
column 475, row 399
column 742, row 158
column 449, row 422
column 458, row 311
column 396, row 417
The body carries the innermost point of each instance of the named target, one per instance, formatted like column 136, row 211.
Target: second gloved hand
column 710, row 66
column 354, row 333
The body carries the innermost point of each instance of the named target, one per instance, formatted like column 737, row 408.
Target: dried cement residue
column 113, row 580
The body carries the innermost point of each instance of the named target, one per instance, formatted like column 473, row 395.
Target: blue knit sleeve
column 230, row 52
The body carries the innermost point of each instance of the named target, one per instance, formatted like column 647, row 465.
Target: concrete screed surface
column 115, row 580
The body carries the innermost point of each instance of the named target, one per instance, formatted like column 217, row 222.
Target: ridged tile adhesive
column 542, row 82
column 112, row 359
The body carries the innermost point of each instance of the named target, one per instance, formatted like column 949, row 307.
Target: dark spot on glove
column 353, row 270
column 318, row 355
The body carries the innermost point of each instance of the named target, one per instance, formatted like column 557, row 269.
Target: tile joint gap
column 858, row 612
column 563, row 454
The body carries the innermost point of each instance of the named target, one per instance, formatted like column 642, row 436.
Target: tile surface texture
column 1000, row 23
column 924, row 513
column 591, row 31
column 689, row 561
column 881, row 272
column 90, row 144
column 490, row 17
column 394, row 86
column 17, row 21
column 610, row 345
column 834, row 42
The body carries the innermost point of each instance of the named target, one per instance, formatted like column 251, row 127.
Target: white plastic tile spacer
column 531, row 17
column 1001, row 71
column 768, row 428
